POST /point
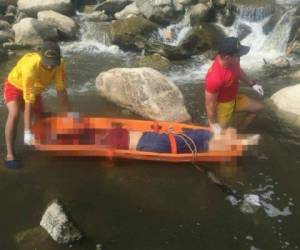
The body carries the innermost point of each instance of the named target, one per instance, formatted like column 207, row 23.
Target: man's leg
column 250, row 106
column 11, row 127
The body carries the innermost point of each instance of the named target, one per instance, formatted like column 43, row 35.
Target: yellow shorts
column 225, row 109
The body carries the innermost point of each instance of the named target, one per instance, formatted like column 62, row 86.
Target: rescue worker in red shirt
column 222, row 84
column 22, row 92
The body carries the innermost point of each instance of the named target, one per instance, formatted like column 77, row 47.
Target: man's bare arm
column 64, row 100
column 211, row 107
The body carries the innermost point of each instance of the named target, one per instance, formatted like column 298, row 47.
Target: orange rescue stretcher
column 64, row 135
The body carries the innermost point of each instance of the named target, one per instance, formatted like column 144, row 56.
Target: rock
column 65, row 25
column 285, row 104
column 129, row 11
column 227, row 15
column 155, row 61
column 293, row 48
column 200, row 13
column 112, row 6
column 96, row 16
column 184, row 2
column 33, row 7
column 158, row 11
column 129, row 32
column 11, row 9
column 6, row 3
column 6, row 36
column 57, row 224
column 32, row 32
column 144, row 91
column 9, row 17
column 243, row 30
column 281, row 62
column 4, row 25
column 3, row 55
column 198, row 40
column 15, row 46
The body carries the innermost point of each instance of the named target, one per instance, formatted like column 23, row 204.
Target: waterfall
column 280, row 36
column 94, row 39
column 253, row 13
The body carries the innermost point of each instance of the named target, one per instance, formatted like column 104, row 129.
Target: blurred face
column 230, row 60
column 48, row 67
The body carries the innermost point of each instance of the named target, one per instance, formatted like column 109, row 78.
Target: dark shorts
column 160, row 143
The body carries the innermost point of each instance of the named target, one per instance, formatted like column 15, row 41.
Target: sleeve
column 212, row 84
column 28, row 79
column 60, row 77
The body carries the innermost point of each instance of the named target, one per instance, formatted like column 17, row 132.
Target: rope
column 225, row 188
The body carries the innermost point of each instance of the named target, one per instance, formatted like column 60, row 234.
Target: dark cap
column 231, row 46
column 50, row 53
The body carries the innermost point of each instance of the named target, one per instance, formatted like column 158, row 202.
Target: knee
column 13, row 115
column 258, row 107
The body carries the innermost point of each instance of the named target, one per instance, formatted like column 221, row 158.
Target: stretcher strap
column 173, row 143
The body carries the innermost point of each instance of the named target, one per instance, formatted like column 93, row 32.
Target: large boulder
column 200, row 13
column 129, row 11
column 4, row 25
column 144, row 91
column 33, row 7
column 129, row 33
column 57, row 224
column 65, row 25
column 112, row 6
column 30, row 31
column 155, row 61
column 286, row 104
column 159, row 11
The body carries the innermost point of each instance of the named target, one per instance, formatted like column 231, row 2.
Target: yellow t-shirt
column 32, row 78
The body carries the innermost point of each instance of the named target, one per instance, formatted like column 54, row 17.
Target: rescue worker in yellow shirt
column 22, row 92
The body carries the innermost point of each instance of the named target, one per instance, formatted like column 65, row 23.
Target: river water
column 142, row 205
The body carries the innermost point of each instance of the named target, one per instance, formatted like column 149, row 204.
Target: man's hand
column 28, row 138
column 216, row 129
column 258, row 88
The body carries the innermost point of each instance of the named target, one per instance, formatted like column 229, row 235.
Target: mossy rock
column 125, row 33
column 209, row 34
column 155, row 61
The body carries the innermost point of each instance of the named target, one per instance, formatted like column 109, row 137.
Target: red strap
column 173, row 143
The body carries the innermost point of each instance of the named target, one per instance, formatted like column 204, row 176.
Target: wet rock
column 96, row 16
column 227, row 15
column 9, row 17
column 112, row 6
column 243, row 31
column 293, row 48
column 15, row 46
column 281, row 62
column 129, row 33
column 4, row 25
column 6, row 3
column 33, row 7
column 32, row 32
column 201, row 13
column 6, row 36
column 285, row 104
column 198, row 40
column 129, row 11
column 155, row 61
column 58, row 225
column 3, row 55
column 11, row 9
column 158, row 11
column 144, row 91
column 65, row 25
column 184, row 2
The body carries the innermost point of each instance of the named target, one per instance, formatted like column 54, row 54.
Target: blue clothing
column 160, row 143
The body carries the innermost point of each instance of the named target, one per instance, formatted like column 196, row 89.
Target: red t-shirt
column 223, row 80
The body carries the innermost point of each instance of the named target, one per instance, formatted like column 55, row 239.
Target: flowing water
column 142, row 205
